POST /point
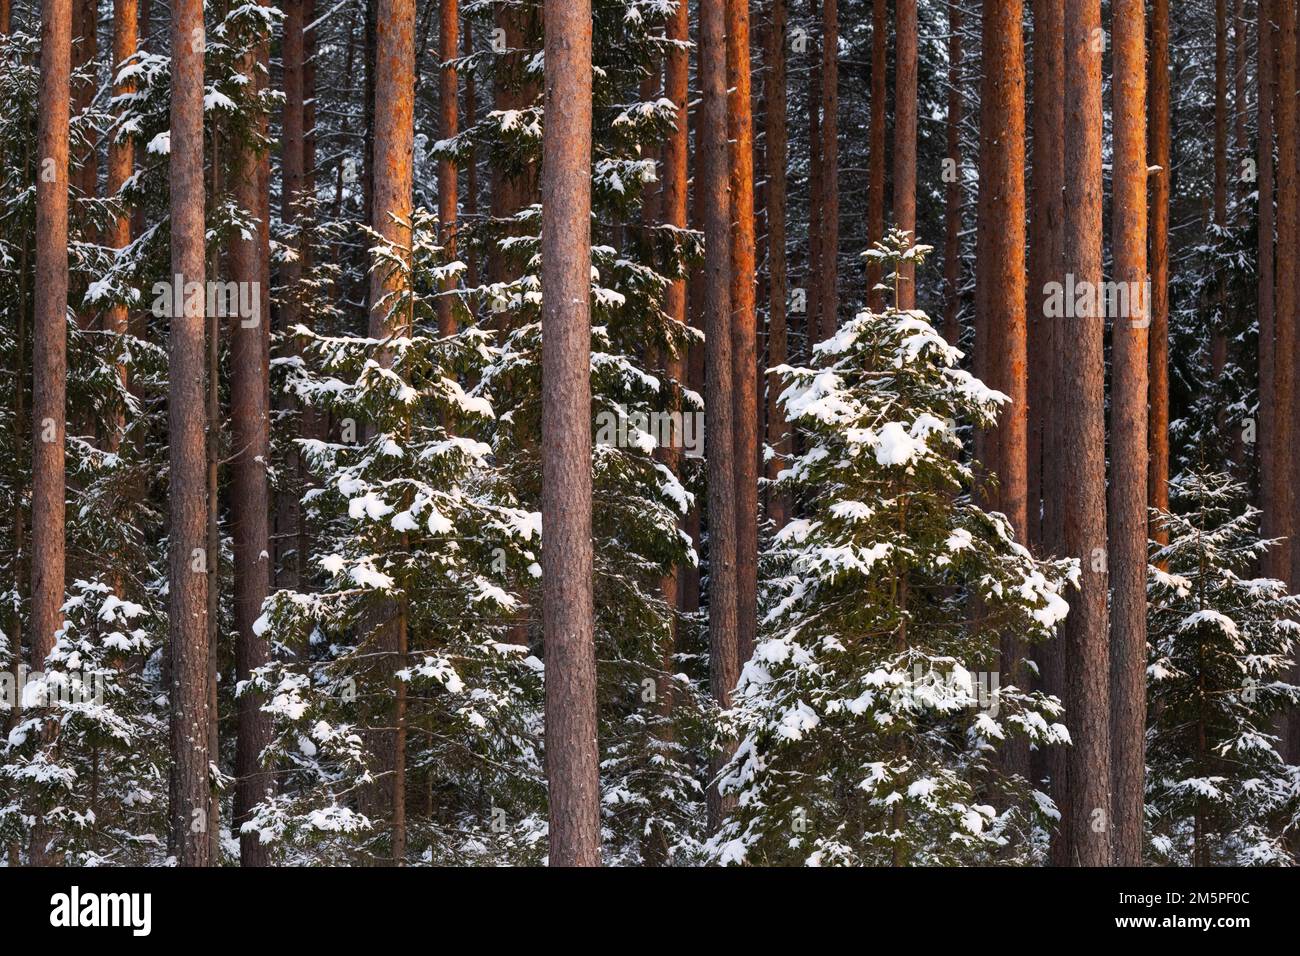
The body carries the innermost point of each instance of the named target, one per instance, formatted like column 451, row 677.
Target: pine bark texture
column 778, row 349
column 1128, row 491
column 393, row 180
column 1002, row 223
column 448, row 127
column 1087, row 818
column 744, row 325
column 250, row 495
column 1158, row 332
column 876, row 145
column 1278, row 519
column 905, row 108
column 572, row 757
column 718, row 389
column 188, row 579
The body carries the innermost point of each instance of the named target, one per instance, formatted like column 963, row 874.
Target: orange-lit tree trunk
column 876, row 144
column 1128, row 541
column 905, row 140
column 448, row 41
column 393, row 198
column 676, row 183
column 1083, row 492
column 121, row 163
column 778, row 433
column 718, row 386
column 188, row 578
column 812, row 291
column 49, row 342
column 744, row 327
column 1158, row 332
column 572, row 757
column 1002, row 275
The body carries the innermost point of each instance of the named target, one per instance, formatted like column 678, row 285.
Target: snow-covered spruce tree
column 652, row 795
column 411, row 521
column 871, row 713
column 1222, row 643
column 87, row 751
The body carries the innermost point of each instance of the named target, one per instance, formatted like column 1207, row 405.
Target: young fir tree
column 870, row 725
column 652, row 794
column 410, row 519
column 1222, row 643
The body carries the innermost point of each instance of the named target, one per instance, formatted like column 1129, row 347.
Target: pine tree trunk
column 718, row 386
column 876, row 145
column 1158, row 333
column 1128, row 425
column 1278, row 520
column 1088, row 826
column 1002, row 221
column 572, row 756
column 121, row 164
column 828, row 297
column 471, row 162
column 816, row 201
column 905, row 107
column 953, row 187
column 744, row 327
column 448, row 42
column 1264, row 299
column 393, row 198
column 188, row 582
column 778, row 350
column 250, row 501
column 49, row 347
column 1046, row 265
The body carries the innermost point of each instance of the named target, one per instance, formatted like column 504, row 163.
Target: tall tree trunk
column 816, row 202
column 448, row 42
column 1158, row 332
column 121, row 164
column 49, row 345
column 718, row 385
column 876, row 145
column 1128, row 426
column 828, row 298
column 471, row 161
column 778, row 432
column 1264, row 85
column 572, row 756
column 1047, row 265
column 1002, row 221
column 1278, row 521
column 188, row 581
column 1218, row 338
column 393, row 199
column 1083, row 493
column 744, row 326
column 250, row 500
column 953, row 187
column 288, row 507
column 905, row 140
